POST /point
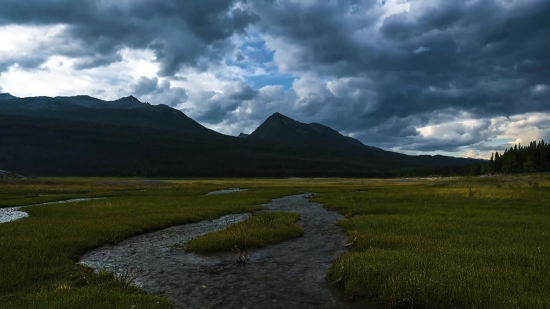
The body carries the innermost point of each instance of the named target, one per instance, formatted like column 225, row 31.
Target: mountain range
column 85, row 136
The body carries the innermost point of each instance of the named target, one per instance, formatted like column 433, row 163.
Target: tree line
column 517, row 159
column 522, row 159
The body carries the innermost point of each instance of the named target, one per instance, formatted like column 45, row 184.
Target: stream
column 290, row 274
column 15, row 213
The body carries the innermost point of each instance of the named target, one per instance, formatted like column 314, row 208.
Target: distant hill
column 6, row 96
column 85, row 136
column 125, row 111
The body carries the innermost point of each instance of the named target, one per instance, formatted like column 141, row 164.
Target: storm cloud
column 181, row 33
column 160, row 92
column 418, row 76
column 477, row 56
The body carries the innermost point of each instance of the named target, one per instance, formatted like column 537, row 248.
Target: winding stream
column 286, row 275
column 15, row 213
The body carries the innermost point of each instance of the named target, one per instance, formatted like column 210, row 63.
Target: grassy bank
column 38, row 254
column 258, row 231
column 466, row 243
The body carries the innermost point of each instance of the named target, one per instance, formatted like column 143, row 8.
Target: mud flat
column 15, row 213
column 287, row 275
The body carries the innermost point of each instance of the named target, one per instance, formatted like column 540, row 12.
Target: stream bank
column 290, row 274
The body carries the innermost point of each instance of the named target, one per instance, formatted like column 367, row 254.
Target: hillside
column 125, row 111
column 84, row 136
column 281, row 129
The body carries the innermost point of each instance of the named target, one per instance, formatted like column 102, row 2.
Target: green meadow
column 479, row 242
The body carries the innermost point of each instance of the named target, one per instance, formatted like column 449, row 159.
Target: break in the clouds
column 426, row 76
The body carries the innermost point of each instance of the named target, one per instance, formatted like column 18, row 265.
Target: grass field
column 428, row 243
column 467, row 243
column 38, row 254
column 258, row 231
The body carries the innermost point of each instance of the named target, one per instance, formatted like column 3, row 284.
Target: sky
column 454, row 77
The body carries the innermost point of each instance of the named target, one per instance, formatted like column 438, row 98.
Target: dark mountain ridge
column 6, row 96
column 85, row 136
column 125, row 111
column 282, row 129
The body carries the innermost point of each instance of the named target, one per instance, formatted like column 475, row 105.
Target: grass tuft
column 259, row 230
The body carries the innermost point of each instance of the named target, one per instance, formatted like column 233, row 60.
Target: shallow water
column 286, row 275
column 226, row 191
column 14, row 213
column 11, row 214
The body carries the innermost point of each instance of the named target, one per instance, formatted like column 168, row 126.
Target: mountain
column 125, row 111
column 282, row 129
column 6, row 96
column 243, row 135
column 86, row 101
column 84, row 136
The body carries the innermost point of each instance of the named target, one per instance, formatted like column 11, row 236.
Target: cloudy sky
column 459, row 77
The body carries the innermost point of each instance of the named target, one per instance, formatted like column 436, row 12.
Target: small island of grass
column 259, row 230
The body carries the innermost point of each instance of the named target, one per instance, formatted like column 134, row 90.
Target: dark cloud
column 490, row 147
column 478, row 56
column 99, row 61
column 402, row 134
column 241, row 92
column 23, row 62
column 158, row 92
column 181, row 33
column 379, row 79
column 215, row 107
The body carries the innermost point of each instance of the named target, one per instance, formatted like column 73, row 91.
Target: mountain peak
column 282, row 129
column 129, row 102
column 277, row 115
column 129, row 98
column 7, row 96
column 279, row 120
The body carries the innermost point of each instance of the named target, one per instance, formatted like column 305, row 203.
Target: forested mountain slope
column 86, row 136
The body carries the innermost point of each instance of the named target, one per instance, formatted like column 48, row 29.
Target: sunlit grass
column 470, row 244
column 260, row 230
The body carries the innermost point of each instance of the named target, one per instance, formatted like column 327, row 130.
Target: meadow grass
column 427, row 243
column 465, row 243
column 258, row 231
column 38, row 254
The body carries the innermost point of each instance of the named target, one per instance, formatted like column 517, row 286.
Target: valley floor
column 479, row 242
